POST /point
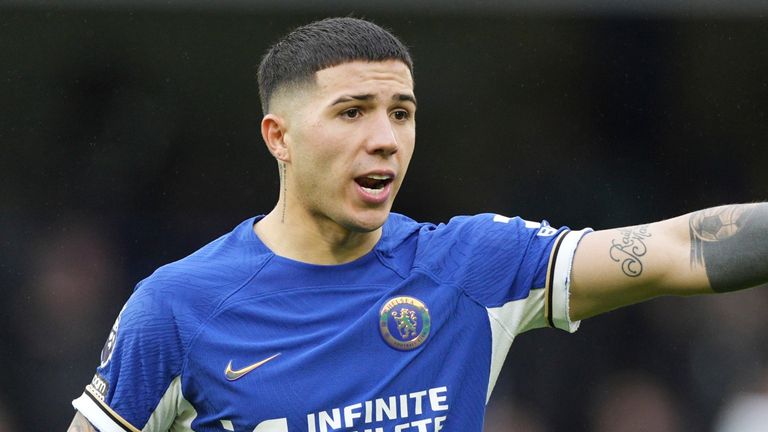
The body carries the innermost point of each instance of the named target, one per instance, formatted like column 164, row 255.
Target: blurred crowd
column 638, row 402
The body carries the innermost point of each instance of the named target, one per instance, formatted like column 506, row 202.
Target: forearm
column 80, row 424
column 730, row 243
column 718, row 249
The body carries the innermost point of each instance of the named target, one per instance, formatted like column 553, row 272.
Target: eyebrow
column 403, row 97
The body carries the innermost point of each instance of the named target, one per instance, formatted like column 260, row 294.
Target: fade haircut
column 294, row 59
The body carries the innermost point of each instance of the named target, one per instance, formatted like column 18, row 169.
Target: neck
column 311, row 240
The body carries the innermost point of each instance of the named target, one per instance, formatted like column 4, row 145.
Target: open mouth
column 373, row 183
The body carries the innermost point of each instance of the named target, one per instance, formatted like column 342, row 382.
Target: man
column 331, row 313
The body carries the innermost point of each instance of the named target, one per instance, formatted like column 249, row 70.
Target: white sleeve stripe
column 548, row 285
column 173, row 412
column 506, row 322
column 558, row 285
column 101, row 416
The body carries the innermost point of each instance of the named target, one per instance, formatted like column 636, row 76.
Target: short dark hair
column 323, row 44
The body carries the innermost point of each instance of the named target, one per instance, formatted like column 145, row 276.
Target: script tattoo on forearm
column 731, row 244
column 629, row 248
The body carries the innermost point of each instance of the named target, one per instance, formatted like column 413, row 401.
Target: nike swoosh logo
column 237, row 374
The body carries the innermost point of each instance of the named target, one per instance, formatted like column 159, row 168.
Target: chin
column 367, row 226
column 368, row 222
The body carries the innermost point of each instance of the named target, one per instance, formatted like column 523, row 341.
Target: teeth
column 378, row 177
column 373, row 191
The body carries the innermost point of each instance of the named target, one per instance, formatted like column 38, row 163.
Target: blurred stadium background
column 129, row 137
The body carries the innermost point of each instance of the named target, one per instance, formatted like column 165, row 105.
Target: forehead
column 363, row 77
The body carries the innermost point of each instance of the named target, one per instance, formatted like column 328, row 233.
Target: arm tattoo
column 629, row 248
column 81, row 424
column 731, row 244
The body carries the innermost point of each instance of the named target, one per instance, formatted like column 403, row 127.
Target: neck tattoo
column 284, row 191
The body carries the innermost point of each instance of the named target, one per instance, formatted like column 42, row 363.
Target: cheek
column 407, row 144
column 406, row 135
column 330, row 146
column 318, row 161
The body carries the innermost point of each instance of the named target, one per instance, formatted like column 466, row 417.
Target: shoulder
column 474, row 248
column 480, row 229
column 228, row 258
column 399, row 226
column 183, row 293
column 486, row 229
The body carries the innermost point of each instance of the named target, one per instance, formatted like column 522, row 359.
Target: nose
column 381, row 136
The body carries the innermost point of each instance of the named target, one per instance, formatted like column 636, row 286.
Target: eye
column 401, row 115
column 351, row 113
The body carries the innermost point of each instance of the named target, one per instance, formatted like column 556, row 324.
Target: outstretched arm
column 80, row 424
column 714, row 250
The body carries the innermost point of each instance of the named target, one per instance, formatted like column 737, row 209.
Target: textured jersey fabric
column 409, row 337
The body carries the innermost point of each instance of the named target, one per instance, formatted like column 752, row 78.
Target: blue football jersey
column 409, row 337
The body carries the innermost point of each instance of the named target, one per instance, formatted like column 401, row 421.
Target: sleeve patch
column 109, row 346
column 98, row 387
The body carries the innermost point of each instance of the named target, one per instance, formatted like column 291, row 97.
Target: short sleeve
column 519, row 270
column 137, row 384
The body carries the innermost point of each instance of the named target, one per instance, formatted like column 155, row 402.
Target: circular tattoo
column 716, row 223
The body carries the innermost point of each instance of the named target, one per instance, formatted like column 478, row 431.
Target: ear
column 273, row 130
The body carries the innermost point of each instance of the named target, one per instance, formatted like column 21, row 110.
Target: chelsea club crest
column 404, row 322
